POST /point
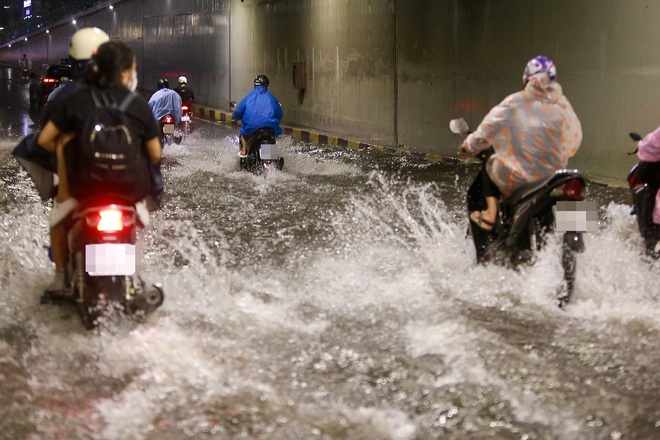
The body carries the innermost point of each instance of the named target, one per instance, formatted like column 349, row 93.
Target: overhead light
column 47, row 31
column 73, row 21
column 25, row 38
column 112, row 7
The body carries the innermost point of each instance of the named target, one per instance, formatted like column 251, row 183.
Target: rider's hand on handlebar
column 462, row 154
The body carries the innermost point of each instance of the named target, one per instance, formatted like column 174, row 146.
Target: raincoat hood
column 541, row 86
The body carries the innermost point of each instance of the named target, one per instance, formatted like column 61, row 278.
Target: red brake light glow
column 168, row 119
column 573, row 189
column 184, row 108
column 110, row 221
column 49, row 80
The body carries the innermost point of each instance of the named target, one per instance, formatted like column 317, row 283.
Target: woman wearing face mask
column 110, row 73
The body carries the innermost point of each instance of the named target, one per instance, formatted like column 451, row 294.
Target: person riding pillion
column 533, row 132
column 258, row 109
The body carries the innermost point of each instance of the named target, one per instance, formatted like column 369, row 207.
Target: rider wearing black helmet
column 165, row 101
column 258, row 109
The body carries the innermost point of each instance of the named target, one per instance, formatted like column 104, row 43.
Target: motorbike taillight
column 573, row 189
column 110, row 220
column 184, row 108
column 49, row 80
column 168, row 119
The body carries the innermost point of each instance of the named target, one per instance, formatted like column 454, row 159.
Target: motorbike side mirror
column 635, row 137
column 459, row 126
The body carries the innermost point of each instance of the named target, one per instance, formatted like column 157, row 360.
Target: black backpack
column 110, row 157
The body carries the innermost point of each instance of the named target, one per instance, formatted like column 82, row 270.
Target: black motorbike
column 102, row 264
column 186, row 125
column 167, row 131
column 262, row 152
column 644, row 181
column 525, row 220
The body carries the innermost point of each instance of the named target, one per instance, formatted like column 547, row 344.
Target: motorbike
column 263, row 152
column 527, row 218
column 644, row 182
column 186, row 125
column 167, row 130
column 102, row 263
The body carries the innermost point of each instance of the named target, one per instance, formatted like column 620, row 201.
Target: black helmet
column 261, row 80
column 163, row 83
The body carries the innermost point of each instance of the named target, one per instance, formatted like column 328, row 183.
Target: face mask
column 134, row 82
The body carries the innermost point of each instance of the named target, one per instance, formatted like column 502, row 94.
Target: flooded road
column 336, row 299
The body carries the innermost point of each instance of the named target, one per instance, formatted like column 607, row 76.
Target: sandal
column 478, row 218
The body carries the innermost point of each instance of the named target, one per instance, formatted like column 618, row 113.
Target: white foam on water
column 269, row 342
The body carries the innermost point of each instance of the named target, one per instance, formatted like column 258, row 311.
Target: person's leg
column 490, row 214
column 243, row 146
column 476, row 203
column 59, row 230
column 487, row 217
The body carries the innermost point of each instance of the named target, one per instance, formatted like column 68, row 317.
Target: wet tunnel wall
column 395, row 71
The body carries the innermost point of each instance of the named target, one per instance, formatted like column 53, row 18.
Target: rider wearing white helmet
column 185, row 92
column 82, row 46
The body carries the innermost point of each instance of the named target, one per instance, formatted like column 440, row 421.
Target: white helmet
column 85, row 42
column 183, row 80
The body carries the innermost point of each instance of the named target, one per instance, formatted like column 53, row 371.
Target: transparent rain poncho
column 534, row 132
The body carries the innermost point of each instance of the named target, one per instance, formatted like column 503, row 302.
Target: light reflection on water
column 336, row 299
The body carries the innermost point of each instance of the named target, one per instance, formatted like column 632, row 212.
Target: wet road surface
column 337, row 299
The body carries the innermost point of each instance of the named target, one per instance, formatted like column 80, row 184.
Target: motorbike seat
column 534, row 187
column 264, row 135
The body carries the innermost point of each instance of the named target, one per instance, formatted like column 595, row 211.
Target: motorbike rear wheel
column 572, row 244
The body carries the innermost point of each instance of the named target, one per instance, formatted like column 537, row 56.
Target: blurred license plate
column 185, row 118
column 168, row 128
column 110, row 259
column 576, row 216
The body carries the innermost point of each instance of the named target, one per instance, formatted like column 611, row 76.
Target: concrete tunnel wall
column 393, row 72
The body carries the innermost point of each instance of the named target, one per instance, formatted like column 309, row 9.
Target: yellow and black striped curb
column 305, row 135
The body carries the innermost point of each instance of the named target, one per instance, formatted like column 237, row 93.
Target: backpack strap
column 102, row 98
column 127, row 101
column 107, row 100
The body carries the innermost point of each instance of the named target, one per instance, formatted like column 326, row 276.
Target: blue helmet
column 540, row 64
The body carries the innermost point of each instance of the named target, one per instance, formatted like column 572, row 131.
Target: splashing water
column 334, row 299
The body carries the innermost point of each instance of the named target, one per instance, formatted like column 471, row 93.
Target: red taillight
column 168, row 119
column 110, row 221
column 573, row 189
column 49, row 80
column 184, row 108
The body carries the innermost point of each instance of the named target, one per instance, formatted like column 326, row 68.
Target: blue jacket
column 258, row 109
column 166, row 102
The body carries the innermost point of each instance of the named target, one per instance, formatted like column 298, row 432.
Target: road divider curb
column 306, row 135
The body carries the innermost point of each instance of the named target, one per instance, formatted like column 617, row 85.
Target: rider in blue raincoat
column 258, row 109
column 166, row 102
